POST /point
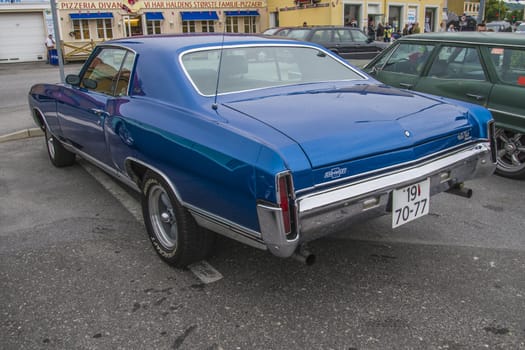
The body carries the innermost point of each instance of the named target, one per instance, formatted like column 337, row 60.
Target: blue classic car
column 269, row 141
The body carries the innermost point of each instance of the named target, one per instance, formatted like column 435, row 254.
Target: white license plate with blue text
column 410, row 202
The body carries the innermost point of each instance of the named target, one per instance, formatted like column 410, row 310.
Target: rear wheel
column 172, row 230
column 59, row 156
column 511, row 154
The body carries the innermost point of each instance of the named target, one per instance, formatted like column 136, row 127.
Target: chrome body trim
column 330, row 210
column 107, row 169
column 227, row 228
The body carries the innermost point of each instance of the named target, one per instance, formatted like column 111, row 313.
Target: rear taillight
column 491, row 132
column 285, row 198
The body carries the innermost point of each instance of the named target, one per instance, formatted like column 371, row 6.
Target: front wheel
column 511, row 154
column 172, row 230
column 59, row 156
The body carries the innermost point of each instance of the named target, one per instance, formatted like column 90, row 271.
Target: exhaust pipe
column 460, row 190
column 303, row 255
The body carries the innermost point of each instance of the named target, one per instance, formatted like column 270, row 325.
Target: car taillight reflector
column 284, row 202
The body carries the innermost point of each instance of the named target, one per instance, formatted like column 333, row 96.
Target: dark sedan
column 347, row 42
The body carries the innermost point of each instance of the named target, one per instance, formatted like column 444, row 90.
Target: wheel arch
column 39, row 118
column 137, row 170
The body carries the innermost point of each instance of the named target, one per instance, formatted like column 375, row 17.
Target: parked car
column 520, row 28
column 279, row 31
column 272, row 153
column 483, row 68
column 499, row 26
column 347, row 42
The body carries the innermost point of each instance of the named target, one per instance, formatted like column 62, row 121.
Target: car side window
column 103, row 70
column 509, row 64
column 122, row 82
column 454, row 62
column 408, row 58
column 322, row 35
column 341, row 35
column 358, row 35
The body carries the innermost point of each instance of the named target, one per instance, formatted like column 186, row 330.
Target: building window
column 208, row 26
column 81, row 29
column 188, row 26
column 232, row 24
column 104, row 29
column 153, row 27
column 250, row 25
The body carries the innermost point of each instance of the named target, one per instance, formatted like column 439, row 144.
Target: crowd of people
column 387, row 32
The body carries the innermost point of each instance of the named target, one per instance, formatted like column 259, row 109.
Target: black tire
column 511, row 154
column 173, row 232
column 59, row 156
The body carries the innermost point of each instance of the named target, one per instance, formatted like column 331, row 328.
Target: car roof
column 485, row 38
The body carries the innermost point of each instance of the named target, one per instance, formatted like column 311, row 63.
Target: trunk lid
column 339, row 125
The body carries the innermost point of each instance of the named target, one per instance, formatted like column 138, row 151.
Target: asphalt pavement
column 15, row 81
column 78, row 272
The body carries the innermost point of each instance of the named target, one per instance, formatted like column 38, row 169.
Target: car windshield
column 257, row 67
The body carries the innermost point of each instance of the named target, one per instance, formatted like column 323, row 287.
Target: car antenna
column 214, row 106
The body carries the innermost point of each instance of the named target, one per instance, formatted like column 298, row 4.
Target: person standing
column 380, row 32
column 371, row 30
column 388, row 33
column 50, row 45
column 405, row 29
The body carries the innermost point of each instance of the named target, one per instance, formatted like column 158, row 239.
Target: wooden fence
column 77, row 50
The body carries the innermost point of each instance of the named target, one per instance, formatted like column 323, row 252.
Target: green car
column 485, row 68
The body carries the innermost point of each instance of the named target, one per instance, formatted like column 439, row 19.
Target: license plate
column 410, row 202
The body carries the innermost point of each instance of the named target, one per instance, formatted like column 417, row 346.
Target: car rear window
column 256, row 67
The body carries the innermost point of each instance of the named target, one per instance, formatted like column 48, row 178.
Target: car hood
column 337, row 125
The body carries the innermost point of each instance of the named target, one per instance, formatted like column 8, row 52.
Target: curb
column 22, row 134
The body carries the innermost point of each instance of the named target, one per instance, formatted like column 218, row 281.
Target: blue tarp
column 154, row 16
column 241, row 13
column 91, row 15
column 199, row 16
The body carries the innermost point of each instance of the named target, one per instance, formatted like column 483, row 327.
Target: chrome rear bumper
column 327, row 211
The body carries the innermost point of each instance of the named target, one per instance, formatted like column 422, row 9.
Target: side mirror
column 369, row 40
column 73, row 79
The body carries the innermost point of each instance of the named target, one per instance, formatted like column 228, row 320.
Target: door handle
column 406, row 85
column 476, row 97
column 100, row 112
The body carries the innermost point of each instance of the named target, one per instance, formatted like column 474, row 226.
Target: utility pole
column 57, row 39
column 481, row 12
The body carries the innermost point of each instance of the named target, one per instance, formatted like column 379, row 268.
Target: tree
column 495, row 10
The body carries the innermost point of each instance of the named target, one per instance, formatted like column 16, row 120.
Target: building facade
column 428, row 13
column 24, row 24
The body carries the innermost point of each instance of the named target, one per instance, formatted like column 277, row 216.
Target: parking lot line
column 202, row 269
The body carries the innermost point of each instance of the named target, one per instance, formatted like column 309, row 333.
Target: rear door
column 507, row 99
column 345, row 44
column 365, row 48
column 457, row 71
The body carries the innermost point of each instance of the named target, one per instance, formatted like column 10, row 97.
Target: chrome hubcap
column 51, row 147
column 162, row 216
column 511, row 150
